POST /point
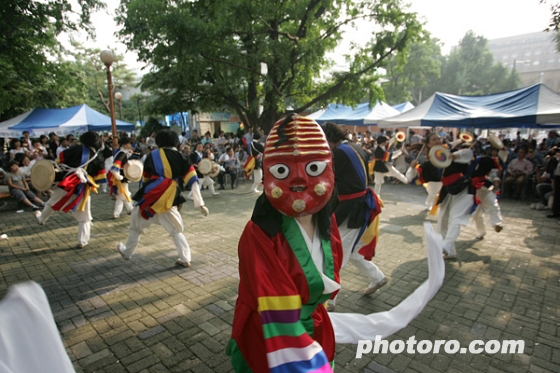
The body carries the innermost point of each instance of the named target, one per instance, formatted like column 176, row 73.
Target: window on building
column 535, row 63
column 504, row 57
column 537, row 52
column 527, row 54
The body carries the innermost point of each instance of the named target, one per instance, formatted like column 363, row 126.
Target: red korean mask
column 298, row 174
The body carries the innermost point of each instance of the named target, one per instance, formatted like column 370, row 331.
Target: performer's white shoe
column 38, row 217
column 448, row 256
column 480, row 236
column 256, row 191
column 121, row 248
column 374, row 287
column 215, row 194
column 182, row 264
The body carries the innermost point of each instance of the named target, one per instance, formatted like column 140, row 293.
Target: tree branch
column 226, row 62
column 332, row 90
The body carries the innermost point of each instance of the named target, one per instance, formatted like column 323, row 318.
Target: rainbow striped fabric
column 289, row 347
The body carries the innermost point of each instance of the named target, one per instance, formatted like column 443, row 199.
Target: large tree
column 416, row 78
column 28, row 31
column 258, row 57
column 470, row 70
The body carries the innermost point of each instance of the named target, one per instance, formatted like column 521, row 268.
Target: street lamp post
column 107, row 57
column 118, row 96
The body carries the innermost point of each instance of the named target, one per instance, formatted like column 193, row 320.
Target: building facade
column 533, row 56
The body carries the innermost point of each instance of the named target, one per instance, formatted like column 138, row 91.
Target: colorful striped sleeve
column 289, row 348
column 190, row 177
column 386, row 156
column 101, row 177
column 117, row 165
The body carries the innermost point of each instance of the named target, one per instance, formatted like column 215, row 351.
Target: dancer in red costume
column 289, row 258
column 290, row 255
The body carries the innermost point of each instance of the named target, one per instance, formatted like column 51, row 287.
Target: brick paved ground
column 148, row 316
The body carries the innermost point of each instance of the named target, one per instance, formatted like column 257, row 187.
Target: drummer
column 73, row 192
column 117, row 180
column 383, row 165
column 205, row 180
column 455, row 199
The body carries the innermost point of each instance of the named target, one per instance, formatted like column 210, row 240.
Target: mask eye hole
column 315, row 168
column 280, row 171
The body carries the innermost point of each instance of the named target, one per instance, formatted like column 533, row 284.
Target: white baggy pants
column 171, row 221
column 488, row 204
column 380, row 178
column 366, row 267
column 453, row 212
column 108, row 165
column 433, row 188
column 82, row 217
column 205, row 181
column 121, row 200
column 257, row 179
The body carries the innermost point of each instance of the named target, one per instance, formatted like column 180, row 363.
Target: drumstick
column 420, row 152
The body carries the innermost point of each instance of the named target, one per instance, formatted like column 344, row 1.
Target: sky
column 447, row 20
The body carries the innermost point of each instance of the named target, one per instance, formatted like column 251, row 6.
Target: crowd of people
column 315, row 214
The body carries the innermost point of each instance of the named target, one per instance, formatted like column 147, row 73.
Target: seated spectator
column 62, row 147
column 552, row 139
column 544, row 180
column 15, row 179
column 53, row 145
column 25, row 165
column 518, row 170
column 16, row 148
column 230, row 163
column 207, row 139
column 26, row 140
column 37, row 151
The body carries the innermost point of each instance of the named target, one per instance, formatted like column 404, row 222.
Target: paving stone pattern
column 147, row 315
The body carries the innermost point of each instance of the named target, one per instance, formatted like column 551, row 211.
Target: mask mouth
column 298, row 188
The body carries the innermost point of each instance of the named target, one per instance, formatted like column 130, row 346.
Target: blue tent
column 362, row 115
column 74, row 119
column 531, row 107
column 404, row 107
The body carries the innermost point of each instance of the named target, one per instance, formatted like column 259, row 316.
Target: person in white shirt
column 249, row 135
column 62, row 147
column 230, row 163
column 518, row 170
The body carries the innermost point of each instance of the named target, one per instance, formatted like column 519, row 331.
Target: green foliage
column 241, row 54
column 152, row 124
column 554, row 25
column 470, row 70
column 28, row 32
column 413, row 76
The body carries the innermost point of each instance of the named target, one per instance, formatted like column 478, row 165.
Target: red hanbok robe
column 280, row 321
